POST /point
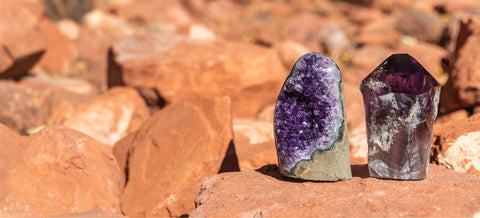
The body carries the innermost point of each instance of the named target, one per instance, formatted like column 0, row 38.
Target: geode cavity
column 310, row 124
column 401, row 100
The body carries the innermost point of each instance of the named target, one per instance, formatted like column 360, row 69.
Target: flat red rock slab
column 265, row 193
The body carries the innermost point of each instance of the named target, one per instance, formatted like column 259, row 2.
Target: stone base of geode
column 327, row 166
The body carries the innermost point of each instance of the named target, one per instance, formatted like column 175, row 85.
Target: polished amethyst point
column 310, row 128
column 400, row 99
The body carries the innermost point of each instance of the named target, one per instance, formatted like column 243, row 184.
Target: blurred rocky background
column 125, row 107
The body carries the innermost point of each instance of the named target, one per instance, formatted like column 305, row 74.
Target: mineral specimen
column 400, row 99
column 310, row 125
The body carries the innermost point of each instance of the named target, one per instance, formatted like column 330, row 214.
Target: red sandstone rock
column 111, row 116
column 357, row 137
column 173, row 18
column 290, row 51
column 306, row 27
column 357, row 134
column 10, row 148
column 265, row 193
column 364, row 15
column 20, row 107
column 105, row 27
column 381, row 31
column 267, row 113
column 98, row 32
column 21, row 42
column 452, row 117
column 176, row 67
column 120, row 150
column 92, row 213
column 370, row 56
column 55, row 171
column 173, row 153
column 60, row 51
column 254, row 143
column 457, row 144
column 455, row 7
column 463, row 87
column 420, row 24
column 354, row 105
column 259, row 22
column 37, row 101
column 57, row 97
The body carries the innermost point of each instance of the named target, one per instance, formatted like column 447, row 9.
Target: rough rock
column 358, row 144
column 457, row 144
column 357, row 134
column 58, row 97
column 20, row 107
column 452, row 117
column 289, row 51
column 21, row 41
column 121, row 150
column 200, row 32
column 172, row 153
column 99, row 31
column 10, row 149
column 37, row 101
column 266, row 114
column 111, row 116
column 74, row 10
column 264, row 193
column 333, row 40
column 174, row 17
column 368, row 56
column 305, row 27
column 354, row 105
column 364, row 15
column 381, row 31
column 259, row 22
column 421, row 25
column 92, row 213
column 254, row 143
column 60, row 51
column 462, row 88
column 177, row 67
column 456, row 7
column 106, row 27
column 62, row 170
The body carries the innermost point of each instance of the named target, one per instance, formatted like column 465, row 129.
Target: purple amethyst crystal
column 400, row 99
column 310, row 125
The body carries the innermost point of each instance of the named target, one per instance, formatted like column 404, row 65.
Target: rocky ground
column 165, row 108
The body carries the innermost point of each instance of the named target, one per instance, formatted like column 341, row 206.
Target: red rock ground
column 124, row 108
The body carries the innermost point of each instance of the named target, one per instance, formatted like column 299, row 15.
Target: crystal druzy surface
column 310, row 123
column 401, row 100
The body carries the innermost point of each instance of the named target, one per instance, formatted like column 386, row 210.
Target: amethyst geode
column 310, row 125
column 400, row 99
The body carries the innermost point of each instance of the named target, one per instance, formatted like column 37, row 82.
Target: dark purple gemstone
column 310, row 121
column 401, row 100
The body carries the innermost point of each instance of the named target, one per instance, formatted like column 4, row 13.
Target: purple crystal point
column 400, row 99
column 310, row 125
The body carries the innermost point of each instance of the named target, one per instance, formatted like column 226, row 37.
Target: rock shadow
column 358, row 170
column 230, row 161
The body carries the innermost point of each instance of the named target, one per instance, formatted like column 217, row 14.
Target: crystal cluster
column 400, row 99
column 310, row 125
